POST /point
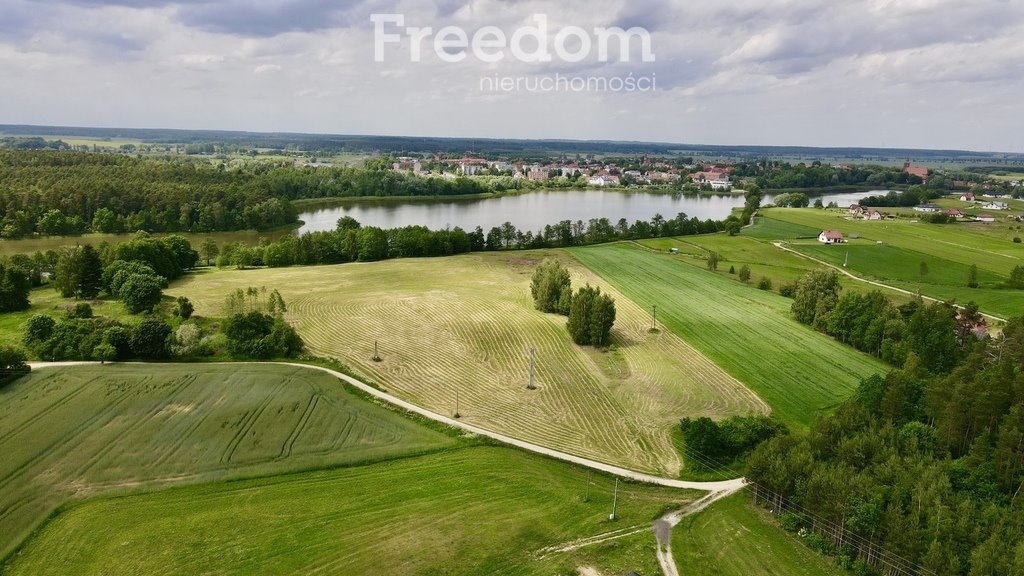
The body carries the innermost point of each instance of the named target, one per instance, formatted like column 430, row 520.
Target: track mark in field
column 247, row 422
column 49, row 409
column 286, row 449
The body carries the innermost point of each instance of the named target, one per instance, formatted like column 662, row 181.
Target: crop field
column 463, row 325
column 70, row 433
column 990, row 246
column 748, row 332
column 475, row 510
column 732, row 538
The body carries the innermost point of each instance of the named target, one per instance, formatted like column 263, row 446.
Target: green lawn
column 71, row 433
column 773, row 229
column 476, row 510
column 747, row 331
column 733, row 538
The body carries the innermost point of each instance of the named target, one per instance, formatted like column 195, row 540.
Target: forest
column 926, row 463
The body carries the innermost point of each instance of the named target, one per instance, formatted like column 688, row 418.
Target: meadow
column 474, row 510
column 733, row 538
column 9, row 247
column 748, row 332
column 462, row 326
column 75, row 432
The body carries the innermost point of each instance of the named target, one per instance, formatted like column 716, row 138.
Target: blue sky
column 912, row 73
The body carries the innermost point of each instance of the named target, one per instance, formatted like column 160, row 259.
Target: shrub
column 187, row 340
column 787, row 290
column 1016, row 239
column 104, row 353
column 140, row 292
column 259, row 335
column 38, row 329
column 184, row 309
column 80, row 310
column 149, row 338
column 13, row 365
column 120, row 338
column 765, row 283
column 744, row 273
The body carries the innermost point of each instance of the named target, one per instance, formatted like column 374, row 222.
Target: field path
column 849, row 274
column 724, row 486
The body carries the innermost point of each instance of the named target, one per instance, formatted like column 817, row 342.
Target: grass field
column 70, row 433
column 476, row 510
column 466, row 323
column 747, row 331
column 732, row 538
column 990, row 246
column 42, row 244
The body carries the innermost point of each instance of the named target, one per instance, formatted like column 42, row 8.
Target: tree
column 105, row 221
column 80, row 310
column 209, row 250
column 38, row 329
column 591, row 316
column 1016, row 278
column 713, row 259
column 149, row 338
column 733, row 227
column 15, row 286
column 816, row 295
column 258, row 335
column 79, row 272
column 550, row 280
column 140, row 292
column 744, row 273
column 105, row 352
column 347, row 223
column 13, row 365
column 184, row 308
column 972, row 276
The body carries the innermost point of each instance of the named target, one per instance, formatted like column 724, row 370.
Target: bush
column 104, row 353
column 184, row 309
column 744, row 273
column 187, row 340
column 261, row 336
column 13, row 365
column 1016, row 239
column 80, row 310
column 787, row 290
column 39, row 328
column 149, row 338
column 120, row 338
column 765, row 283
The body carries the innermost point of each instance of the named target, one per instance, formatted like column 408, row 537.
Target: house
column 717, row 178
column 954, row 213
column 855, row 210
column 537, row 175
column 985, row 218
column 919, row 171
column 968, row 197
column 929, row 208
column 830, row 237
column 873, row 214
column 995, row 206
column 603, row 180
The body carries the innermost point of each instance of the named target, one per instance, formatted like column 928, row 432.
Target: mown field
column 732, row 538
column 465, row 323
column 475, row 510
column 71, row 433
column 748, row 332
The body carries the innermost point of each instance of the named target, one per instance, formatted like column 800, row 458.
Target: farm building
column 986, row 218
column 929, row 208
column 831, row 237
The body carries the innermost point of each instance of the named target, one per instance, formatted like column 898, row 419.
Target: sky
column 873, row 73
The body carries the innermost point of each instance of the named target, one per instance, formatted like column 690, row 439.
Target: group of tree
column 255, row 326
column 712, row 444
column 15, row 286
column 591, row 313
column 81, row 336
column 775, row 175
column 351, row 242
column 937, row 335
column 926, row 463
column 910, row 197
column 13, row 365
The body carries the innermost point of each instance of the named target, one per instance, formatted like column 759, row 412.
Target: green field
column 466, row 322
column 71, row 433
column 990, row 246
column 733, row 538
column 476, row 510
column 747, row 331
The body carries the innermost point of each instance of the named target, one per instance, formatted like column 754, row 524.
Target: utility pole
column 457, row 415
column 586, row 497
column 615, row 499
column 654, row 317
column 376, row 356
column 533, row 368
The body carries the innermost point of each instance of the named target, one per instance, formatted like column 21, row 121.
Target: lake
column 533, row 210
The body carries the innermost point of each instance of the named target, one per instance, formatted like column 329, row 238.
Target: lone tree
column 591, row 316
column 713, row 259
column 209, row 250
column 972, row 276
column 551, row 288
column 745, row 273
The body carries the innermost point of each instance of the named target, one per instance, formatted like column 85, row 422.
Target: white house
column 872, row 214
column 927, row 208
column 986, row 218
column 994, row 206
column 967, row 197
column 603, row 180
column 831, row 237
